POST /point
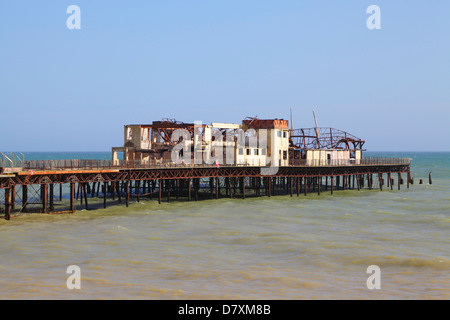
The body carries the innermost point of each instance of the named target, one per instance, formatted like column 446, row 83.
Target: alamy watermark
column 74, row 20
column 228, row 147
column 74, row 280
column 374, row 280
column 374, row 20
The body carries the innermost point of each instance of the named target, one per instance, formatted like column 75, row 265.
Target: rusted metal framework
column 166, row 127
column 324, row 138
column 181, row 182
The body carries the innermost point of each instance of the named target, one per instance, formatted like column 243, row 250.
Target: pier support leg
column 13, row 197
column 306, row 186
column 127, row 193
column 44, row 189
column 211, row 187
column 105, row 186
column 168, row 184
column 52, row 205
column 7, row 203
column 332, row 184
column 390, row 180
column 85, row 195
column 24, row 197
column 72, row 196
column 159, row 190
column 80, row 192
column 292, row 184
column 217, row 187
column 197, row 186
column 301, row 183
column 189, row 189
column 137, row 189
column 408, row 179
column 399, row 180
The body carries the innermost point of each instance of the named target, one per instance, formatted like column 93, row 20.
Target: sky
column 134, row 62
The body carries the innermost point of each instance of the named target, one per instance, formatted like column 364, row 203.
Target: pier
column 170, row 160
column 65, row 186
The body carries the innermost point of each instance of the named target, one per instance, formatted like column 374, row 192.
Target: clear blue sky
column 220, row 61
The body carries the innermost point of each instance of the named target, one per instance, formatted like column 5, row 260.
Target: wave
column 439, row 263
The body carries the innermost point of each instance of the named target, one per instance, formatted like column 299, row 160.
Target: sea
column 281, row 248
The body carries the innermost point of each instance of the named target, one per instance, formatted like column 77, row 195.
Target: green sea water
column 313, row 247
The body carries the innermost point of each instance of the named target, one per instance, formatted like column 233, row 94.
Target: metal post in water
column 159, row 190
column 13, row 197
column 72, row 196
column 7, row 203
column 24, row 197
column 332, row 184
column 127, row 193
column 306, row 185
column 85, row 196
column 52, row 207
column 189, row 189
column 44, row 188
column 217, row 187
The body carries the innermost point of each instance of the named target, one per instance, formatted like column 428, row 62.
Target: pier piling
column 238, row 182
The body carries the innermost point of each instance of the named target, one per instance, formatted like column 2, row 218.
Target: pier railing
column 80, row 164
column 11, row 162
column 368, row 161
